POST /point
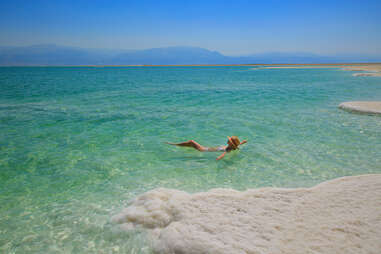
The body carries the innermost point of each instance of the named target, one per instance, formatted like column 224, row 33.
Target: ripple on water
column 76, row 144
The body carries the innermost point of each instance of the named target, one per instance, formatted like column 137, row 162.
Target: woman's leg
column 190, row 143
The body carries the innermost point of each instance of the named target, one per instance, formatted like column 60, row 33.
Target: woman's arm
column 221, row 156
column 243, row 142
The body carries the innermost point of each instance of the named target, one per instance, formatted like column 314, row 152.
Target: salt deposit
column 338, row 216
column 368, row 107
column 367, row 74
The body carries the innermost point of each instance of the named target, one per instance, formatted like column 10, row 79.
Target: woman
column 233, row 143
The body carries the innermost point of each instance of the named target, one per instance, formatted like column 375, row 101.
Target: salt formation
column 338, row 216
column 368, row 107
column 367, row 74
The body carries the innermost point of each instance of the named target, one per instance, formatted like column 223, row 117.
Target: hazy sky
column 231, row 27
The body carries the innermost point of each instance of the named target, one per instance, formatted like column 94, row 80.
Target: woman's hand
column 243, row 142
column 221, row 156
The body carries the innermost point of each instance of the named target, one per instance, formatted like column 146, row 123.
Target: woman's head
column 233, row 142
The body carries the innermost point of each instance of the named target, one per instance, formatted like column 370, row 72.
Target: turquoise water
column 77, row 143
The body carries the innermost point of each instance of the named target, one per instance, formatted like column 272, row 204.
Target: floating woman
column 233, row 144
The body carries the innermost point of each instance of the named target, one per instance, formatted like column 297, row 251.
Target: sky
column 238, row 27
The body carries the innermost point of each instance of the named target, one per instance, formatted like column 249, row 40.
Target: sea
column 77, row 144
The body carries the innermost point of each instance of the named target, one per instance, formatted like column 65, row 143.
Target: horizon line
column 199, row 47
column 201, row 65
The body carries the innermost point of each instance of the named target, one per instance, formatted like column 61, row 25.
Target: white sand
column 338, row 216
column 369, row 107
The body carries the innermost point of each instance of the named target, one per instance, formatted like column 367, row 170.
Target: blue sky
column 231, row 27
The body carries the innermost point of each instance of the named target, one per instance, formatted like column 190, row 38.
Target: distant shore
column 367, row 69
column 347, row 66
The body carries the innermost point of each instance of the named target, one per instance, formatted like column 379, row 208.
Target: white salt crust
column 338, row 216
column 367, row 74
column 367, row 107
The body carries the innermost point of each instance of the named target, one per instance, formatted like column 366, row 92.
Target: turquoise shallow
column 77, row 143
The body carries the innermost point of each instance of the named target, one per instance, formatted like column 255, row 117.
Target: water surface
column 77, row 143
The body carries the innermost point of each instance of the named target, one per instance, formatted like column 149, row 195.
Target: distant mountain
column 55, row 55
column 302, row 58
column 171, row 55
column 60, row 55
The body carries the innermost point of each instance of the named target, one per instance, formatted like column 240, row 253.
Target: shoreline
column 336, row 216
column 366, row 69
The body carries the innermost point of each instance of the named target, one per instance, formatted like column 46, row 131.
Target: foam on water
column 340, row 216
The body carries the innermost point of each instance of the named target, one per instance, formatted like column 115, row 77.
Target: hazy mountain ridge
column 51, row 54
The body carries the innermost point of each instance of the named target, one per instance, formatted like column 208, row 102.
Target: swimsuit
column 215, row 149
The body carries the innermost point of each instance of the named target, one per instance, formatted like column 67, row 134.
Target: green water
column 77, row 143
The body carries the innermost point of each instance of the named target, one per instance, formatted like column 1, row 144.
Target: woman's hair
column 235, row 141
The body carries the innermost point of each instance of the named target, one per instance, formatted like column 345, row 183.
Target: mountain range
column 53, row 55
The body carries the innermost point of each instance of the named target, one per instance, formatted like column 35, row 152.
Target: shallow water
column 76, row 143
